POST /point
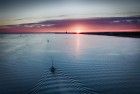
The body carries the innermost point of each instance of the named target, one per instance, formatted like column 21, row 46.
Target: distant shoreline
column 119, row 34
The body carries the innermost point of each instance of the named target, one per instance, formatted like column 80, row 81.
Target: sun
column 78, row 31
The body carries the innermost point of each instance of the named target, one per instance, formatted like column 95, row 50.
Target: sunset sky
column 70, row 15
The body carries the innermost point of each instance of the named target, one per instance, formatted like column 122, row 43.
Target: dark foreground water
column 85, row 64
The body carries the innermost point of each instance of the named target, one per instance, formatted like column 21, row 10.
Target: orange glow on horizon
column 78, row 31
column 79, row 28
column 76, row 28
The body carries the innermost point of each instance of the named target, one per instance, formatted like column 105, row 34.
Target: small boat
column 52, row 69
column 48, row 41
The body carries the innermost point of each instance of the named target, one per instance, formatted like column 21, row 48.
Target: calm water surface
column 85, row 64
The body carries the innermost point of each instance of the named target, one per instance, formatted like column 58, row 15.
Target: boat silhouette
column 52, row 68
column 48, row 41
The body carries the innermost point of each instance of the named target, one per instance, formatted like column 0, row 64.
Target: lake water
column 85, row 64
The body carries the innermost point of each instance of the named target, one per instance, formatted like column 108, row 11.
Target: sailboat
column 52, row 68
column 48, row 41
